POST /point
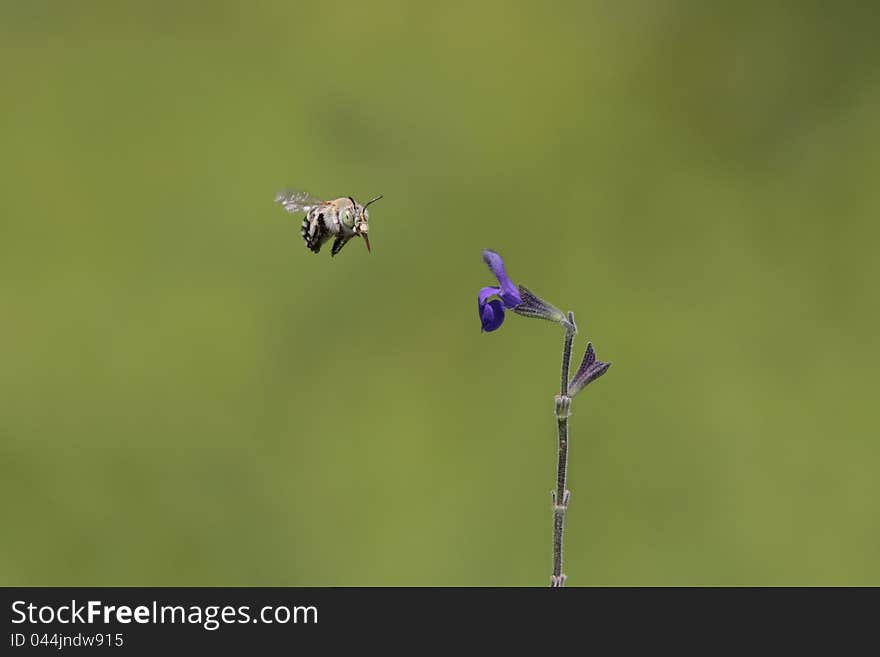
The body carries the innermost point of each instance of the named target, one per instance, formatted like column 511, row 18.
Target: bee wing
column 297, row 201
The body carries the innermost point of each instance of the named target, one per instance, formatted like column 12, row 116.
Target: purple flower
column 508, row 297
column 493, row 301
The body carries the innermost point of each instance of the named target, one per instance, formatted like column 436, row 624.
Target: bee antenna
column 373, row 200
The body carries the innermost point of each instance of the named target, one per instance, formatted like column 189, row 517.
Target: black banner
column 182, row 620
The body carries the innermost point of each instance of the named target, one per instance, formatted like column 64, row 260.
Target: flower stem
column 561, row 495
column 566, row 355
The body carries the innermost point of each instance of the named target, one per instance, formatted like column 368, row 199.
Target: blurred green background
column 189, row 397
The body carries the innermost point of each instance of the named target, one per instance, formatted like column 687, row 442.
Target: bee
column 342, row 218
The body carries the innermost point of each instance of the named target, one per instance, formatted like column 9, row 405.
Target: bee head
column 362, row 228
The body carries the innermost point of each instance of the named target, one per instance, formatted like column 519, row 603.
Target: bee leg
column 338, row 243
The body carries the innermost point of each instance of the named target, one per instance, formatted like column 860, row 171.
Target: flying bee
column 342, row 218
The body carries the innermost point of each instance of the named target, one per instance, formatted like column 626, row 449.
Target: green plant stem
column 561, row 495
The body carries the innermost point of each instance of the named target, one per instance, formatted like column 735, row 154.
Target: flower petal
column 509, row 293
column 485, row 293
column 495, row 262
column 491, row 315
column 491, row 311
